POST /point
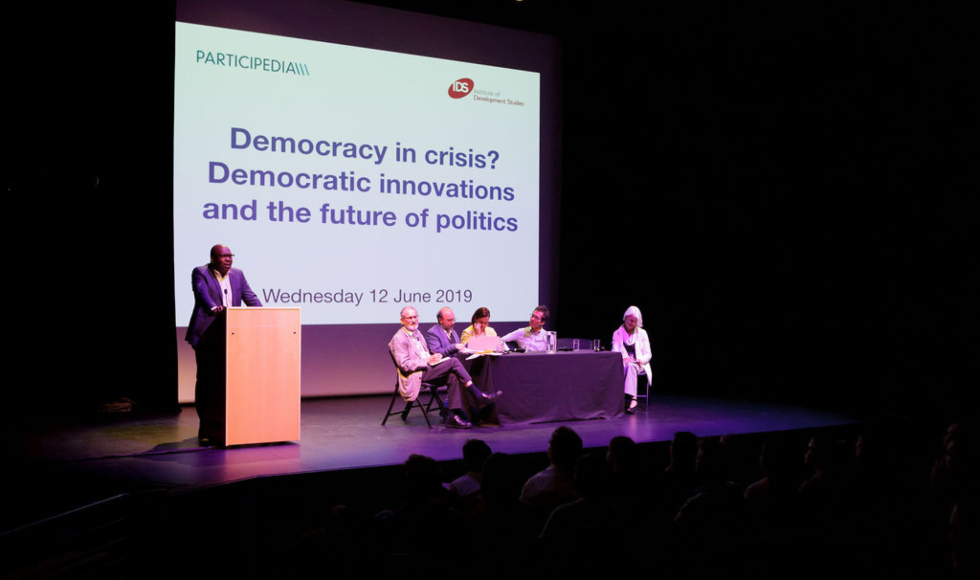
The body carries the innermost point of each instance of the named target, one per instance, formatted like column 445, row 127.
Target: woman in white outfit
column 631, row 340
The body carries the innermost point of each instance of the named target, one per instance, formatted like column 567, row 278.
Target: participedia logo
column 460, row 88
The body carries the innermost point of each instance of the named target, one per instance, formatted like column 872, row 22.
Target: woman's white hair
column 634, row 311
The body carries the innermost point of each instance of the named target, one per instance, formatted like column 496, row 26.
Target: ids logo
column 460, row 88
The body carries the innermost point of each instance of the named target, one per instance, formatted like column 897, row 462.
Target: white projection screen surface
column 359, row 159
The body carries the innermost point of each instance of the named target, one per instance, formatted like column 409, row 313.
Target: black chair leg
column 443, row 411
column 408, row 407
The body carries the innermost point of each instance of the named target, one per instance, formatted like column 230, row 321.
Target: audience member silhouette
column 467, row 486
column 501, row 522
column 710, row 527
column 770, row 506
column 427, row 519
column 579, row 536
column 554, row 485
column 677, row 481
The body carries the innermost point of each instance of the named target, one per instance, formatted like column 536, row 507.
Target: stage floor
column 63, row 466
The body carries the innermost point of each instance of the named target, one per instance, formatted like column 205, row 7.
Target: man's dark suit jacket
column 207, row 295
column 438, row 342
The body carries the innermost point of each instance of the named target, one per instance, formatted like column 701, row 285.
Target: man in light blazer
column 216, row 286
column 416, row 365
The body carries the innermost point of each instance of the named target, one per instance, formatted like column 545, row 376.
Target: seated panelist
column 442, row 338
column 416, row 365
column 531, row 338
column 632, row 341
column 480, row 325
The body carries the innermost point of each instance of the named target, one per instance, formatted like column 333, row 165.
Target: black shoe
column 457, row 422
column 485, row 398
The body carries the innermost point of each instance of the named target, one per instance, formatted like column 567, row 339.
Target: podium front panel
column 263, row 375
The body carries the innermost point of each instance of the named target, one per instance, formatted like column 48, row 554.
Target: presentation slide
column 351, row 182
column 357, row 159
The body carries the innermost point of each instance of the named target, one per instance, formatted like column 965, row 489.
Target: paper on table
column 483, row 352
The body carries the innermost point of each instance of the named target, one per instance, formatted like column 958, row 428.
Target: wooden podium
column 262, row 370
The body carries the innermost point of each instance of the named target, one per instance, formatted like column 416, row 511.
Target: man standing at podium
column 216, row 286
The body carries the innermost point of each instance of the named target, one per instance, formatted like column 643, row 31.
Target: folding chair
column 433, row 389
column 646, row 397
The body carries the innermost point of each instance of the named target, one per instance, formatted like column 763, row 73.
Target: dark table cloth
column 540, row 387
